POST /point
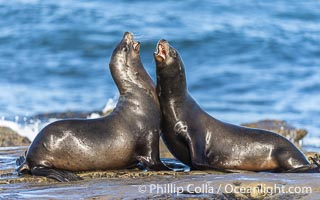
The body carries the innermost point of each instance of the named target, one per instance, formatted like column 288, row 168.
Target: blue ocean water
column 245, row 60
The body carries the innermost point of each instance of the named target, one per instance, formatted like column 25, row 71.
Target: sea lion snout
column 126, row 46
column 127, row 37
column 128, row 42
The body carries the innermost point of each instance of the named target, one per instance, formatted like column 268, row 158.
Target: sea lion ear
column 125, row 48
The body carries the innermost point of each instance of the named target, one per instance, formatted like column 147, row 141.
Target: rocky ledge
column 281, row 127
column 8, row 137
column 134, row 184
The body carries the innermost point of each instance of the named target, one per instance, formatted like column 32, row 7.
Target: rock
column 137, row 184
column 313, row 157
column 69, row 114
column 62, row 115
column 281, row 127
column 164, row 152
column 9, row 176
column 8, row 137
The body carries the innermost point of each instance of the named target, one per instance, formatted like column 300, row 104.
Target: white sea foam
column 29, row 130
column 110, row 104
column 94, row 116
column 10, row 124
column 30, row 127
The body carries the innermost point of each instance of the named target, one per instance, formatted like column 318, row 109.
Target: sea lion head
column 168, row 60
column 171, row 78
column 126, row 53
column 125, row 63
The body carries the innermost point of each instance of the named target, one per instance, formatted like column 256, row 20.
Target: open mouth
column 136, row 45
column 161, row 53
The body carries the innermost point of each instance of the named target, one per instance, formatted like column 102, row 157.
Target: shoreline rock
column 134, row 184
column 281, row 127
column 69, row 114
column 8, row 138
column 127, row 184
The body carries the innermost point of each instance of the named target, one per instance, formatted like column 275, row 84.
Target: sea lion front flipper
column 199, row 159
column 197, row 153
column 149, row 157
column 60, row 175
column 196, row 147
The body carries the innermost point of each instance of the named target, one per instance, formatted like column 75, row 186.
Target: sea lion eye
column 173, row 53
column 125, row 48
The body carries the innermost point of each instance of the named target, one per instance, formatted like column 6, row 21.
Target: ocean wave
column 312, row 142
column 29, row 130
column 30, row 126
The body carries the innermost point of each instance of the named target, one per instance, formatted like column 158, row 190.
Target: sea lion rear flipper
column 149, row 164
column 60, row 175
column 311, row 168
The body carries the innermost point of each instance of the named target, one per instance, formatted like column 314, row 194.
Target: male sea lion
column 203, row 142
column 128, row 135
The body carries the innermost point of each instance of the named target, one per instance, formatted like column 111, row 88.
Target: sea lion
column 203, row 142
column 130, row 134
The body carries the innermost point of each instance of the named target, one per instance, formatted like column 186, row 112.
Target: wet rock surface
column 8, row 137
column 166, row 185
column 136, row 184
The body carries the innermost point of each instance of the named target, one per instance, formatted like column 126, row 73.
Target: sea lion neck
column 133, row 77
column 126, row 67
column 171, row 86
